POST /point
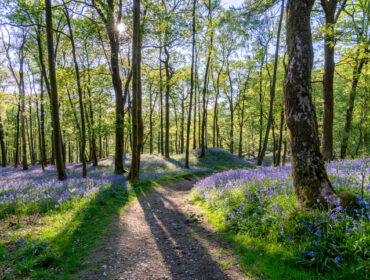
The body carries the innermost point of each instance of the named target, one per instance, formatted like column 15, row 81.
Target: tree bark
column 58, row 149
column 137, row 123
column 311, row 182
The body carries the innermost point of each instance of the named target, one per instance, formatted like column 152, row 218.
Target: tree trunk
column 283, row 158
column 182, row 124
column 31, row 142
column 205, row 84
column 54, row 95
column 260, row 108
column 261, row 155
column 329, row 8
column 191, row 89
column 137, row 124
column 80, row 97
column 23, row 113
column 150, row 120
column 161, row 97
column 42, row 124
column 311, row 182
column 231, row 105
column 167, row 105
column 280, row 137
column 16, row 154
column 351, row 102
column 2, row 145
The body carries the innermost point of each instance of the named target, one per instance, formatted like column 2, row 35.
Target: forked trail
column 154, row 239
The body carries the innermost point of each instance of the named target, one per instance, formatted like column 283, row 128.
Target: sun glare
column 121, row 28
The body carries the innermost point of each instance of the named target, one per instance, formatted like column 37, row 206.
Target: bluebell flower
column 311, row 253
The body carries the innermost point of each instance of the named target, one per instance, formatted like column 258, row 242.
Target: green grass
column 70, row 237
column 258, row 258
column 55, row 244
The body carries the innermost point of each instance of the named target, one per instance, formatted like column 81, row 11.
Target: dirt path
column 155, row 240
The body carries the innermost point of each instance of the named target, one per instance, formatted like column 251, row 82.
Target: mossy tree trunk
column 311, row 182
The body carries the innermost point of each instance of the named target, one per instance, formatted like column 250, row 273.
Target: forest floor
column 161, row 236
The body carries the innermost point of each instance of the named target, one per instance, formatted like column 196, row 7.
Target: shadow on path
column 185, row 256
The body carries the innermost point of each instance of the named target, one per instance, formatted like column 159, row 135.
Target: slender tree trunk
column 215, row 110
column 80, row 97
column 54, row 95
column 2, row 145
column 260, row 109
column 283, row 159
column 150, row 120
column 311, row 181
column 22, row 97
column 16, row 155
column 31, row 142
column 191, row 91
column 280, row 137
column 182, row 125
column 167, row 105
column 360, row 62
column 137, row 123
column 231, row 105
column 205, row 84
column 195, row 117
column 261, row 155
column 161, row 97
column 329, row 7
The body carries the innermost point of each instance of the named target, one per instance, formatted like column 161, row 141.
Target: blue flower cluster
column 261, row 203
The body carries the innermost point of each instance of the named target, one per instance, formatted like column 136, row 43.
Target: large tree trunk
column 261, row 155
column 2, row 145
column 58, row 149
column 311, row 182
column 137, row 124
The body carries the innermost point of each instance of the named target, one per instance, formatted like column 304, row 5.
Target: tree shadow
column 184, row 255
